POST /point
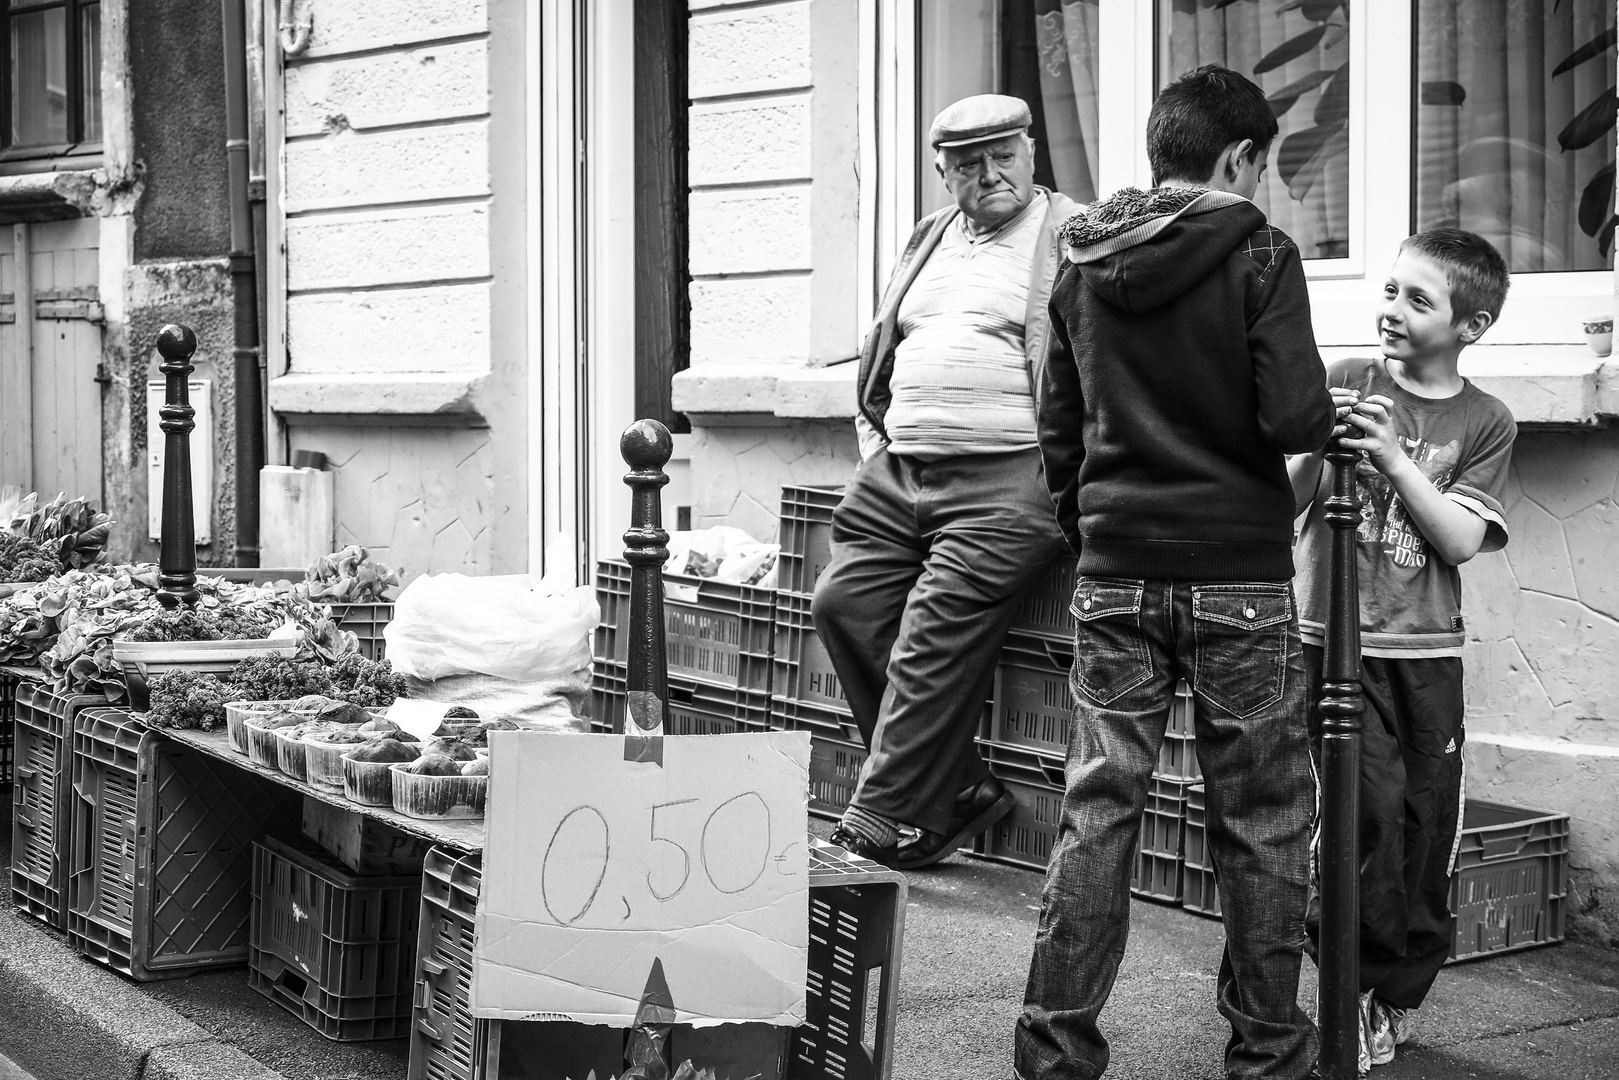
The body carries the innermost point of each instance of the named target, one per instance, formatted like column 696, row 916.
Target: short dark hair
column 1200, row 114
column 1474, row 269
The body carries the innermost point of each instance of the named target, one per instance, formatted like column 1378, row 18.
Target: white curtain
column 1299, row 54
column 1502, row 146
column 1066, row 35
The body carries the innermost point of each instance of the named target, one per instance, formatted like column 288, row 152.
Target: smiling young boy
column 1436, row 450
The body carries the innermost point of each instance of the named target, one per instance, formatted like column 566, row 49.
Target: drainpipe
column 244, row 287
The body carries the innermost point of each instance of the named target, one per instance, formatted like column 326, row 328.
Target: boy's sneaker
column 1400, row 1022
column 1367, row 1008
column 1389, row 1028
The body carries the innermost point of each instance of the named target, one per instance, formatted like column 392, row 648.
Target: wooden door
column 50, row 358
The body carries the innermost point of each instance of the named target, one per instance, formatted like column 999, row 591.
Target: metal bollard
column 177, row 560
column 1341, row 705
column 646, row 447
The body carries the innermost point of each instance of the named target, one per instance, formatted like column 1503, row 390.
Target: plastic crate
column 1160, row 852
column 714, row 633
column 365, row 622
column 805, row 534
column 803, row 670
column 856, row 922
column 1200, row 895
column 161, row 865
column 1034, row 709
column 694, row 708
column 837, row 752
column 1026, row 836
column 41, row 799
column 1511, row 880
column 8, row 709
column 336, row 949
column 1044, row 609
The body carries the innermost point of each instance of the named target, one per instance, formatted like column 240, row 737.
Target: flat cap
column 978, row 119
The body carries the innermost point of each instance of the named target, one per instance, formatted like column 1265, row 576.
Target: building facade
column 467, row 204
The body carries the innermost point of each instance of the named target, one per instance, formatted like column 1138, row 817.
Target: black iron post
column 177, row 558
column 646, row 447
column 1341, row 706
column 245, row 293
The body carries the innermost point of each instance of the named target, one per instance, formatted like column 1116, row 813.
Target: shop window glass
column 1043, row 51
column 1298, row 52
column 52, row 74
column 1514, row 116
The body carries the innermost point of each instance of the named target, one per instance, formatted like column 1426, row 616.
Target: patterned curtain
column 1515, row 127
column 1298, row 52
column 1066, row 34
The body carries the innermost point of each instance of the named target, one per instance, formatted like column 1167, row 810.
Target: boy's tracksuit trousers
column 1411, row 793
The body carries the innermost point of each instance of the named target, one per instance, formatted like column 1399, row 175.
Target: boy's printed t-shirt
column 1410, row 599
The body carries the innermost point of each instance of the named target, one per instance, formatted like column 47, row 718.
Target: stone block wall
column 1542, row 660
column 773, row 169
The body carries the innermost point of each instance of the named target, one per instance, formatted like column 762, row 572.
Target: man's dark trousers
column 929, row 559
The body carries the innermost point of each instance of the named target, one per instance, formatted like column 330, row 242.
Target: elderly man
column 948, row 517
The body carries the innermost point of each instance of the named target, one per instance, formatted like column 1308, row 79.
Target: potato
column 383, row 750
column 477, row 767
column 378, row 726
column 460, row 712
column 434, row 765
column 278, row 720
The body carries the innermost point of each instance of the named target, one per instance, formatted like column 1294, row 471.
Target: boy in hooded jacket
column 1182, row 370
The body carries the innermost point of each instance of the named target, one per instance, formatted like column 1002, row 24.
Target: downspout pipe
column 244, row 288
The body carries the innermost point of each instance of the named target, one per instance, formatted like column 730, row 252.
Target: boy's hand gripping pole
column 1341, row 707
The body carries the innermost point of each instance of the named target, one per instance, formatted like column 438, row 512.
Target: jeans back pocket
column 1110, row 650
column 1242, row 633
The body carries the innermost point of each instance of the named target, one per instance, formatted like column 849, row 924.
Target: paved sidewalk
column 1545, row 1014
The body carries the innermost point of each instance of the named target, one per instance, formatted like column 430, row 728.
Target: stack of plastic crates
column 41, row 799
column 161, row 865
column 1025, row 741
column 717, row 638
column 1201, row 895
column 9, row 682
column 365, row 622
column 857, row 925
column 334, row 948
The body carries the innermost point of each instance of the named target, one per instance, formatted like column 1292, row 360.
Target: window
column 1298, row 52
column 1514, row 116
column 52, row 83
column 1043, row 51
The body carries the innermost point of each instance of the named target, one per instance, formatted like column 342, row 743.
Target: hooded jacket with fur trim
column 1182, row 367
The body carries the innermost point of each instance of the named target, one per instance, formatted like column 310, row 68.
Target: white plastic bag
column 516, row 627
column 728, row 554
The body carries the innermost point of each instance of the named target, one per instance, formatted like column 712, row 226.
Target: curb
column 62, row 1018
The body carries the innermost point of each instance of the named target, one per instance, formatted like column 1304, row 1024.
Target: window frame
column 76, row 152
column 1545, row 309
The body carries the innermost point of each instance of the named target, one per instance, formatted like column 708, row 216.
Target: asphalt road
column 1543, row 1014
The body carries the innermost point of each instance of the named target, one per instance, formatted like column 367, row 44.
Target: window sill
column 1563, row 385
column 424, row 397
column 713, row 394
column 46, row 196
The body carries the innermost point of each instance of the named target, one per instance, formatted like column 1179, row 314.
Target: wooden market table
column 462, row 834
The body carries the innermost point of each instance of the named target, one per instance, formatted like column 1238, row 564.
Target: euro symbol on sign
column 782, row 858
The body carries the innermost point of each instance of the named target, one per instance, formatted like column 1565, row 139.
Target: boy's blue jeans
column 1237, row 644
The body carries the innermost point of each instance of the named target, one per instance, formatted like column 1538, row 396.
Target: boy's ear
column 1473, row 327
column 1237, row 155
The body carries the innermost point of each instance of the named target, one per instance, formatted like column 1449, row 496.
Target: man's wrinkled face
column 991, row 181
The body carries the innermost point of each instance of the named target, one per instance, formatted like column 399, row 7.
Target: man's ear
column 1474, row 326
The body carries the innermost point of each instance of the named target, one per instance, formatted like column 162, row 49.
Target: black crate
column 8, row 710
column 161, row 865
column 1044, row 609
column 365, row 622
column 41, row 799
column 335, row 949
column 857, row 924
column 1160, row 852
column 714, row 633
column 1200, row 895
column 1026, row 836
column 805, row 535
column 694, row 708
column 1510, row 887
column 1034, row 709
column 803, row 670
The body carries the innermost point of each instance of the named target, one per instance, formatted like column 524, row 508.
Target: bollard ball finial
column 646, row 444
column 176, row 342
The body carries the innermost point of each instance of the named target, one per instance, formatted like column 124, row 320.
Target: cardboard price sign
column 595, row 867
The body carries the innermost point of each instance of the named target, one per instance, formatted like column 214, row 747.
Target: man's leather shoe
column 975, row 811
column 855, row 844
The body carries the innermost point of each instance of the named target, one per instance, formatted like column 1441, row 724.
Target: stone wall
column 774, row 180
column 1542, row 662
